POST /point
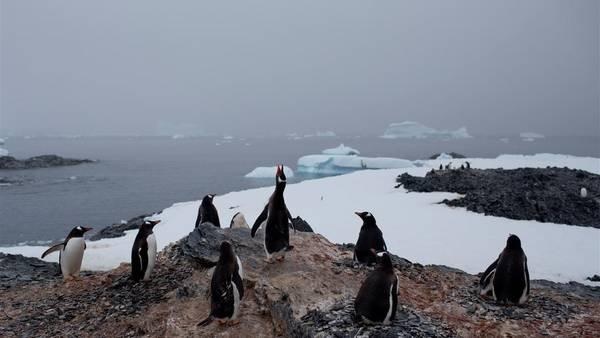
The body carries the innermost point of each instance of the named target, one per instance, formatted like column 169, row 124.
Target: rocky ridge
column 42, row 161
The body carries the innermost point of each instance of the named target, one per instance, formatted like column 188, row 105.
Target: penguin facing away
column 239, row 221
column 277, row 220
column 226, row 287
column 441, row 167
column 370, row 240
column 507, row 278
column 377, row 298
column 143, row 253
column 70, row 252
column 207, row 212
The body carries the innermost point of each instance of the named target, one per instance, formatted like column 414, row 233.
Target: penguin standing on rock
column 370, row 240
column 507, row 277
column 238, row 221
column 143, row 253
column 277, row 219
column 70, row 252
column 377, row 297
column 226, row 287
column 207, row 212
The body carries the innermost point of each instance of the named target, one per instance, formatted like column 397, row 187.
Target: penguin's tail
column 205, row 322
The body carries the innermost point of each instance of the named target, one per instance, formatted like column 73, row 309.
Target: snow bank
column 342, row 164
column 268, row 172
column 410, row 129
column 341, row 150
column 414, row 225
column 530, row 136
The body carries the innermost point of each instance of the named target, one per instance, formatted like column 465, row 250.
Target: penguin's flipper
column 53, row 248
column 199, row 217
column 239, row 284
column 289, row 216
column 205, row 322
column 136, row 264
column 144, row 258
column 488, row 273
column 261, row 218
column 527, row 274
column 394, row 304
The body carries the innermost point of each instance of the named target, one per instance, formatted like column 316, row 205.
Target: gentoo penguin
column 468, row 164
column 377, row 298
column 207, row 213
column 70, row 252
column 449, row 166
column 143, row 253
column 508, row 277
column 277, row 219
column 239, row 221
column 226, row 287
column 370, row 240
column 462, row 167
column 441, row 167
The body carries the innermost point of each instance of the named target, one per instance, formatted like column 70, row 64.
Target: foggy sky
column 274, row 67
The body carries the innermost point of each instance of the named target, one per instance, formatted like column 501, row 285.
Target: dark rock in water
column 16, row 269
column 594, row 278
column 545, row 195
column 118, row 230
column 453, row 154
column 301, row 225
column 43, row 161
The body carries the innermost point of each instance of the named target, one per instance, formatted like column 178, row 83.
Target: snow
column 414, row 225
column 3, row 152
column 341, row 164
column 341, row 150
column 268, row 172
column 411, row 129
column 530, row 136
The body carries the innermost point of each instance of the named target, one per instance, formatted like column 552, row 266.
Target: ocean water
column 137, row 175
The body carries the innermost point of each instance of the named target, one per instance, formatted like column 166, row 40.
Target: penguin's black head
column 226, row 252
column 384, row 260
column 367, row 217
column 280, row 174
column 147, row 226
column 209, row 198
column 513, row 242
column 78, row 231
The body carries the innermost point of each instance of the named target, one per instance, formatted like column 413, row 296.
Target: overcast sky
column 269, row 67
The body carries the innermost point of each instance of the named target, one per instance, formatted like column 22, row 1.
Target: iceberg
column 341, row 150
column 268, row 172
column 340, row 164
column 530, row 136
column 410, row 129
column 3, row 152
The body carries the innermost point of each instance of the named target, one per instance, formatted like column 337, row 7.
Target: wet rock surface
column 545, row 195
column 308, row 294
column 42, row 161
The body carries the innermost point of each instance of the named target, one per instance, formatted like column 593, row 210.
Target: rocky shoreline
column 541, row 194
column 42, row 161
column 310, row 294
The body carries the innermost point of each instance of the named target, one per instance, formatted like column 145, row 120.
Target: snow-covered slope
column 414, row 225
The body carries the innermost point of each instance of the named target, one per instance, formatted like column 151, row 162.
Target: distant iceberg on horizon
column 416, row 130
column 530, row 136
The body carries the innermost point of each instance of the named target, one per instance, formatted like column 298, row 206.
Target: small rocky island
column 42, row 161
column 310, row 294
column 556, row 195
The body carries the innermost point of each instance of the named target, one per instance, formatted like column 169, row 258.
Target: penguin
column 468, row 164
column 370, row 240
column 462, row 167
column 377, row 297
column 239, row 221
column 507, row 277
column 70, row 252
column 448, row 166
column 207, row 213
column 277, row 219
column 441, row 167
column 143, row 253
column 226, row 287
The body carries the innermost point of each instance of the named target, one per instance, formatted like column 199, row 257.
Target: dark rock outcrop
column 541, row 194
column 17, row 270
column 301, row 225
column 42, row 161
column 118, row 229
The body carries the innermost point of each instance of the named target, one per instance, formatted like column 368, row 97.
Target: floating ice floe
column 268, row 172
column 530, row 136
column 411, row 129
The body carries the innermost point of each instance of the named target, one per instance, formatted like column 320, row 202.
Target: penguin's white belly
column 240, row 269
column 71, row 257
column 151, row 240
column 236, row 301
column 388, row 315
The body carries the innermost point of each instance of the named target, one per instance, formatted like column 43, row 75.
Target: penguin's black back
column 139, row 256
column 370, row 237
column 207, row 213
column 511, row 276
column 222, row 298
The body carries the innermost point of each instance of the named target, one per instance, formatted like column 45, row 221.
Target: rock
column 17, row 270
column 594, row 278
column 541, row 194
column 43, row 161
column 118, row 229
column 301, row 225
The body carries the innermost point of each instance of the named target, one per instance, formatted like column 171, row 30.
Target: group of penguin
column 506, row 280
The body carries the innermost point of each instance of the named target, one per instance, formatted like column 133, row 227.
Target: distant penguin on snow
column 143, row 253
column 277, row 219
column 377, row 298
column 239, row 221
column 70, row 252
column 226, row 287
column 370, row 240
column 207, row 212
column 507, row 278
